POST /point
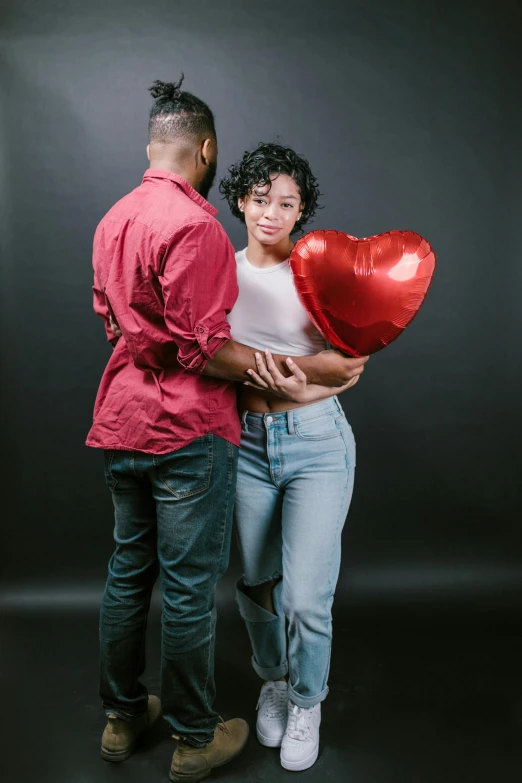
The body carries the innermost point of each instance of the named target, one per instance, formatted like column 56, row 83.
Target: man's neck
column 174, row 167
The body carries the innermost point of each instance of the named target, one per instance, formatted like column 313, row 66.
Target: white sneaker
column 300, row 746
column 272, row 713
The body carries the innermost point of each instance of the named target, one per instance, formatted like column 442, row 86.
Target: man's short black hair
column 258, row 166
column 177, row 115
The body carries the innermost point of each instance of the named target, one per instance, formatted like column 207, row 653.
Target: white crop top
column 268, row 312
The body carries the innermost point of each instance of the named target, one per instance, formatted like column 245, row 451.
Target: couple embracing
column 217, row 406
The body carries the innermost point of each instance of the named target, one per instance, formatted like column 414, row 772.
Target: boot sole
column 179, row 777
column 117, row 755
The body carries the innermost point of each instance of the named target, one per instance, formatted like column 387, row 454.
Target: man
column 165, row 414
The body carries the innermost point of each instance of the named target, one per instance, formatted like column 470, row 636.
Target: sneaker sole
column 267, row 742
column 179, row 777
column 299, row 766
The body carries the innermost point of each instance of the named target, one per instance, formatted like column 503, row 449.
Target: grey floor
column 414, row 699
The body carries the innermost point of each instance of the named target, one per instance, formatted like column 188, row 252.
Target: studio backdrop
column 409, row 115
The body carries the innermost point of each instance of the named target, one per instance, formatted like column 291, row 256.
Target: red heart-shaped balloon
column 362, row 293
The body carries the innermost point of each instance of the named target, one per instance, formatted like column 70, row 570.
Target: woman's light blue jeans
column 295, row 483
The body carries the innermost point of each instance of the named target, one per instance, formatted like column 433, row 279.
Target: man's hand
column 331, row 368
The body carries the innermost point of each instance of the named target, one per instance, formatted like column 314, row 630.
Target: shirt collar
column 184, row 185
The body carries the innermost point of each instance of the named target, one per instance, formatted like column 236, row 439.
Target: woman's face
column 271, row 214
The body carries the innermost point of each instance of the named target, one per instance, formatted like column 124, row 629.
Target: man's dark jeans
column 173, row 516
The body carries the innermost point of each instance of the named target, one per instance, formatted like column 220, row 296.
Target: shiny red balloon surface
column 362, row 293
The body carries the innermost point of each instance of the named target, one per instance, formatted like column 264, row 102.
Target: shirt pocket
column 187, row 472
column 320, row 428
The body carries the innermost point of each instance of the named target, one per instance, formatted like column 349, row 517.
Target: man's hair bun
column 166, row 91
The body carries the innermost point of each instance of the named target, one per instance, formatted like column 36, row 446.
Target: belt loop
column 290, row 422
column 244, row 425
column 338, row 404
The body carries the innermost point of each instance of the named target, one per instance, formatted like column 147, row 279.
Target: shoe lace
column 274, row 701
column 223, row 726
column 299, row 723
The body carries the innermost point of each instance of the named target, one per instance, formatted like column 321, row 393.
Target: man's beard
column 208, row 180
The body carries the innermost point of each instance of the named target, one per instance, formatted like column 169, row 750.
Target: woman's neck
column 268, row 255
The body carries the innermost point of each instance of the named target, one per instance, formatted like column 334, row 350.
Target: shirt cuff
column 209, row 342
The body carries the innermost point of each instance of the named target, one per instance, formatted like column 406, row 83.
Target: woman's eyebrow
column 287, row 197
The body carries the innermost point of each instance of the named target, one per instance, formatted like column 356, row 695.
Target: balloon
column 362, row 293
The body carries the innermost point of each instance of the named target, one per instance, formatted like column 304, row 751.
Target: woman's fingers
column 256, row 380
column 296, row 370
column 263, row 371
column 114, row 326
column 272, row 367
column 268, row 375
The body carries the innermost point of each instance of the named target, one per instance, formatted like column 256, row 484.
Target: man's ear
column 148, row 152
column 208, row 151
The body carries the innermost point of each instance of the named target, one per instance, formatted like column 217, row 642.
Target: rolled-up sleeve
column 199, row 285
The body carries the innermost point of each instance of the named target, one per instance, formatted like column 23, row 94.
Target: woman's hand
column 269, row 378
column 294, row 388
column 114, row 326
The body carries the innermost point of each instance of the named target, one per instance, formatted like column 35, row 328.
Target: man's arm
column 328, row 368
column 269, row 378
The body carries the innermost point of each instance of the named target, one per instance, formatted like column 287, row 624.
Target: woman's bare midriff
column 250, row 399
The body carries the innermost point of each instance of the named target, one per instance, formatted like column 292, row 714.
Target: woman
column 296, row 463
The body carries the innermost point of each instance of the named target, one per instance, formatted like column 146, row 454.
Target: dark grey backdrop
column 409, row 115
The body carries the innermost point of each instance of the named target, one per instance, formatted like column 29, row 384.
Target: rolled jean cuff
column 124, row 716
column 128, row 717
column 194, row 741
column 270, row 673
column 306, row 701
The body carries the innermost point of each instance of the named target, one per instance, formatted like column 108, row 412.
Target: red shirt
column 165, row 270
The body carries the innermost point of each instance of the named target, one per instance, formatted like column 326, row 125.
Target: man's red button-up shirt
column 164, row 269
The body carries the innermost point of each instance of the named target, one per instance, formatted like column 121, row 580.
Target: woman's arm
column 269, row 378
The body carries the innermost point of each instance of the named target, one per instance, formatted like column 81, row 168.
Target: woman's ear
column 241, row 204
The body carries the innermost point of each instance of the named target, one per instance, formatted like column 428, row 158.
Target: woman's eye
column 259, row 201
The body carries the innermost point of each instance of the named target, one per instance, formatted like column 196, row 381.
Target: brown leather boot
column 190, row 764
column 120, row 736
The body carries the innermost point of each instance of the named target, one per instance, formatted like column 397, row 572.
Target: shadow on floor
column 413, row 700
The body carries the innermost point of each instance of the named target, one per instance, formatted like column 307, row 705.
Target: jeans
column 173, row 516
column 295, row 483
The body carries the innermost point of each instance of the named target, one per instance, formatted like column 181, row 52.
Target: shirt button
column 269, row 419
column 200, row 329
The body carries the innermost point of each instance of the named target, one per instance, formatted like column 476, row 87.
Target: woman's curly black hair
column 257, row 167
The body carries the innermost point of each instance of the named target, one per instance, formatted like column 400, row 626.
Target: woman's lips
column 268, row 229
